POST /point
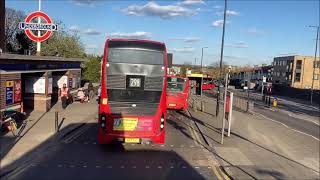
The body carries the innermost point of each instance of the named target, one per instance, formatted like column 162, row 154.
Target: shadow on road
column 57, row 158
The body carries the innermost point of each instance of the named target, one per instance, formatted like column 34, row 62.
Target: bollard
column 56, row 121
column 194, row 106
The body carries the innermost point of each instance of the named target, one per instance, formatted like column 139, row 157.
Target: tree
column 60, row 44
column 63, row 44
column 16, row 40
column 92, row 68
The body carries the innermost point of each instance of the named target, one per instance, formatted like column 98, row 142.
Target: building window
column 289, row 77
column 315, row 76
column 317, row 64
column 299, row 64
column 297, row 77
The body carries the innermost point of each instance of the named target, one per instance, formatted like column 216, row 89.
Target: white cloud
column 187, row 39
column 154, row 9
column 217, row 7
column 85, row 2
column 91, row 32
column 218, row 23
column 239, row 44
column 229, row 13
column 192, row 2
column 183, row 50
column 255, row 31
column 138, row 34
column 74, row 28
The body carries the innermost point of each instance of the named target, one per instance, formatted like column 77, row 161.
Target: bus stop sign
column 28, row 26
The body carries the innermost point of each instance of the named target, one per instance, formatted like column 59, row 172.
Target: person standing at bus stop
column 64, row 95
column 91, row 91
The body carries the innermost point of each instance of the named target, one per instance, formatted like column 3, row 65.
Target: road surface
column 79, row 156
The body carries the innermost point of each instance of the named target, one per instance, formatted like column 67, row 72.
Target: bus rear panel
column 133, row 93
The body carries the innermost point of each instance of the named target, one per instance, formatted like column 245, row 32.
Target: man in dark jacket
column 91, row 91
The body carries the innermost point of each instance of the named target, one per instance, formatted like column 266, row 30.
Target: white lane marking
column 288, row 127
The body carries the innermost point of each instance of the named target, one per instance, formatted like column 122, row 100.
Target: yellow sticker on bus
column 125, row 124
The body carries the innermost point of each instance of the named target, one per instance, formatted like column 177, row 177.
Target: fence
column 206, row 104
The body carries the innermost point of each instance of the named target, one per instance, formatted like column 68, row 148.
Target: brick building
column 297, row 71
column 32, row 82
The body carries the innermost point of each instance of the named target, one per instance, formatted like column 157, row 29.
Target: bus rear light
column 161, row 123
column 103, row 122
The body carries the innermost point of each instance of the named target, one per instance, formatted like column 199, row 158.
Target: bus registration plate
column 172, row 104
column 125, row 124
column 132, row 140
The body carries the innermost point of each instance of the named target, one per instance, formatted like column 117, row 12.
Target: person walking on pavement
column 64, row 95
column 91, row 91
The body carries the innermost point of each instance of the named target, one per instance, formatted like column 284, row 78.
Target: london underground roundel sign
column 28, row 26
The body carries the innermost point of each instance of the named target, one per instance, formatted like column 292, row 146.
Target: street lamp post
column 314, row 63
column 221, row 55
column 202, row 56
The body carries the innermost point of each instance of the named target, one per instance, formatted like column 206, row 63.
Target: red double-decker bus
column 177, row 92
column 207, row 83
column 133, row 92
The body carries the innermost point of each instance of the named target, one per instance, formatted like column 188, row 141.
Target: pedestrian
column 64, row 95
column 81, row 95
column 91, row 91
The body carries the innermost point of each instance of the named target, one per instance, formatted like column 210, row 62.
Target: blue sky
column 256, row 31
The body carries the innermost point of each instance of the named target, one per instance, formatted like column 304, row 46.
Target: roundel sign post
column 28, row 26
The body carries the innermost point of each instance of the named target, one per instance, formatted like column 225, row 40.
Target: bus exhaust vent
column 153, row 83
column 116, row 82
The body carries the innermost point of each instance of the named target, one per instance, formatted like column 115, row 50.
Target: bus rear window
column 135, row 56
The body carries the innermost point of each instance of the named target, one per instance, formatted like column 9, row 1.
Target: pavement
column 259, row 147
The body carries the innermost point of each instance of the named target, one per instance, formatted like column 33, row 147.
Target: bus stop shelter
column 196, row 81
column 30, row 83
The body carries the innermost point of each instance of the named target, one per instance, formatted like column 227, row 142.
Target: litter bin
column 275, row 102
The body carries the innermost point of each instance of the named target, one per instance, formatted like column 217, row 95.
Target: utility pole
column 221, row 55
column 314, row 63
